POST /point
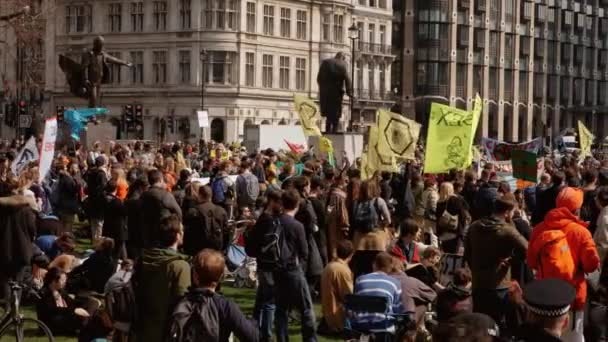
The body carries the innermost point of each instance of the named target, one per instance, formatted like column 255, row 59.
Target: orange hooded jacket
column 581, row 245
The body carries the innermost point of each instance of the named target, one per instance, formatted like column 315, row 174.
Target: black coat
column 17, row 233
column 115, row 219
column 61, row 321
column 96, row 183
column 156, row 204
column 133, row 207
column 68, row 198
column 333, row 80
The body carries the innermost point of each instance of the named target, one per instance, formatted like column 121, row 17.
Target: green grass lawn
column 245, row 298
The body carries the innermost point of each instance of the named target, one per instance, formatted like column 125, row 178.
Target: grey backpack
column 195, row 319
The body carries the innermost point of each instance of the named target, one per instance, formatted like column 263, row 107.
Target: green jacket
column 162, row 278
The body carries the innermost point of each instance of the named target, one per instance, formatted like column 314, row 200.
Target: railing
column 373, row 94
column 376, row 49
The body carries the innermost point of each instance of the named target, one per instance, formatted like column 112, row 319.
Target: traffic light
column 60, row 110
column 129, row 118
column 171, row 124
column 139, row 118
column 22, row 107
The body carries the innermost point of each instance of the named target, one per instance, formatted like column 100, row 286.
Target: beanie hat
column 571, row 198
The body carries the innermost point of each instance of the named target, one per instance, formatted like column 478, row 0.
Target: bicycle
column 15, row 324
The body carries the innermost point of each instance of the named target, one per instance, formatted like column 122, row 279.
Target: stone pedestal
column 351, row 143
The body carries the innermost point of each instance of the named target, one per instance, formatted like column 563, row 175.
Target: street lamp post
column 353, row 34
column 203, row 66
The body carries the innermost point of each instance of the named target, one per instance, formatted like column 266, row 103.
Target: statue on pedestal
column 85, row 79
column 334, row 81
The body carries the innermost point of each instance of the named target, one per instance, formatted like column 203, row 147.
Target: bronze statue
column 333, row 80
column 85, row 79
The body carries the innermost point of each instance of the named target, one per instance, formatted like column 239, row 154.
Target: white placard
column 48, row 147
column 203, row 118
column 28, row 153
column 203, row 181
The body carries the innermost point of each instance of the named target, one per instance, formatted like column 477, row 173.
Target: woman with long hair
column 452, row 218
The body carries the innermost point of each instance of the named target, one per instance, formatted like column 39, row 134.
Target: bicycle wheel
column 26, row 330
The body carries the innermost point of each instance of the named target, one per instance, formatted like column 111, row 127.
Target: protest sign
column 450, row 137
column 28, row 154
column 397, row 135
column 585, row 138
column 499, row 151
column 203, row 118
column 309, row 114
column 524, row 165
column 376, row 161
column 48, row 147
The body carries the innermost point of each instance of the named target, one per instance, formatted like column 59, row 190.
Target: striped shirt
column 382, row 285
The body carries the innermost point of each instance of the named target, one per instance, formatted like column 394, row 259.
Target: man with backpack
column 489, row 246
column 263, row 243
column 204, row 315
column 161, row 278
column 205, row 225
column 247, row 187
column 561, row 247
column 223, row 187
column 156, row 204
column 290, row 282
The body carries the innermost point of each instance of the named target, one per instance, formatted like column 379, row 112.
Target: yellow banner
column 450, row 138
column 477, row 108
column 397, row 135
column 376, row 161
column 586, row 139
column 309, row 114
column 325, row 145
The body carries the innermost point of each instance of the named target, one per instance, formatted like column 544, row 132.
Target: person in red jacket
column 565, row 218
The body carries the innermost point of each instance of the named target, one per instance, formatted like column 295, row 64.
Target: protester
column 96, row 179
column 66, row 195
column 247, row 186
column 488, row 250
column 336, row 282
column 600, row 237
column 290, row 282
column 456, row 298
column 572, row 252
column 206, row 224
column 156, row 204
column 164, row 275
column 207, row 271
column 337, row 216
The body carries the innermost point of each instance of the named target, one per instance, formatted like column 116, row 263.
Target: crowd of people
column 404, row 256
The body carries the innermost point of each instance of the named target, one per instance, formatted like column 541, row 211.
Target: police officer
column 548, row 303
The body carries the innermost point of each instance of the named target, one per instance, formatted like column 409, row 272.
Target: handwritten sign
column 48, row 146
column 524, row 165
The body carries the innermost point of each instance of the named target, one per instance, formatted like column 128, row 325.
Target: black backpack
column 121, row 303
column 271, row 246
column 195, row 319
column 201, row 229
column 366, row 216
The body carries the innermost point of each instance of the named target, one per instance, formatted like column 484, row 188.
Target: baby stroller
column 241, row 268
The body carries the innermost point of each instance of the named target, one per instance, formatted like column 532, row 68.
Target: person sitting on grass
column 56, row 308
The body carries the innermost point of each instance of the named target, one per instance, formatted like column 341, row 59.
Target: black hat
column 549, row 297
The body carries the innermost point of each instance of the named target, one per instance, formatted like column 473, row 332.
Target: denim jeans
column 264, row 308
column 292, row 291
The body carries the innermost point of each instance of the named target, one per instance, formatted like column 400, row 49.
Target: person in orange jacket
column 580, row 243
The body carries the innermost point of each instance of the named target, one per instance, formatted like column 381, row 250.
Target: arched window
column 217, row 130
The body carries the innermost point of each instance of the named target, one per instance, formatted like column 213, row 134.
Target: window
column 219, row 70
column 184, row 66
column 115, row 17
column 221, row 15
column 159, row 67
column 326, row 18
column 78, row 19
column 338, row 28
column 185, row 20
column 382, row 74
column 137, row 16
column 300, row 74
column 268, row 20
column 114, row 77
column 250, row 69
column 382, row 4
column 209, row 14
column 285, row 22
column 284, row 72
column 267, row 71
column 359, row 79
column 137, row 71
column 371, row 33
column 160, row 15
column 371, row 82
column 302, row 17
column 251, row 17
column 383, row 34
column 231, row 14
